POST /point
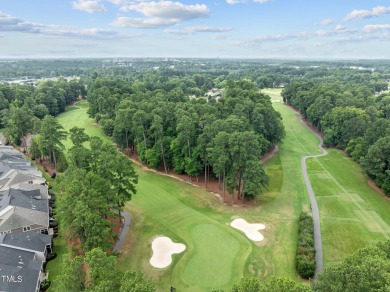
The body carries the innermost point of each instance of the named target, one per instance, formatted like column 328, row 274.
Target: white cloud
column 219, row 37
column 326, row 21
column 376, row 27
column 169, row 9
column 195, row 29
column 158, row 14
column 338, row 30
column 362, row 14
column 231, row 2
column 143, row 22
column 90, row 6
column 10, row 23
column 116, row 1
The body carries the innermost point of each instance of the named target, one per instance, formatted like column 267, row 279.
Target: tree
column 18, row 124
column 274, row 284
column 244, row 150
column 158, row 134
column 219, row 157
column 377, row 163
column 102, row 268
column 97, row 271
column 72, row 277
column 135, row 282
column 78, row 136
column 368, row 269
column 52, row 134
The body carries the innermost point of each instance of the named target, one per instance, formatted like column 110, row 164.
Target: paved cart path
column 314, row 205
column 125, row 230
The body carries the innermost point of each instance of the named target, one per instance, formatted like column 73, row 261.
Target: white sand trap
column 163, row 248
column 250, row 230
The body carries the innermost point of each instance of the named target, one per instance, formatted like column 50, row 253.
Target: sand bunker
column 163, row 248
column 250, row 230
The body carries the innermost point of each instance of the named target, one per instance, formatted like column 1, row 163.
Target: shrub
column 305, row 261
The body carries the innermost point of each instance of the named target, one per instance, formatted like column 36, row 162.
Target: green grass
column 79, row 118
column 217, row 255
column 353, row 215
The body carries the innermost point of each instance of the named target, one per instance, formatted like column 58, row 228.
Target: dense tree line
column 351, row 117
column 23, row 106
column 97, row 271
column 167, row 129
column 97, row 183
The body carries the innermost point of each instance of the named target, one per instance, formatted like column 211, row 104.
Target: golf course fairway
column 217, row 255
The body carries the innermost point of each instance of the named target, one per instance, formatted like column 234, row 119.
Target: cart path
column 124, row 231
column 314, row 205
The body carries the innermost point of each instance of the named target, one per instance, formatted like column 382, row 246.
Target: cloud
column 219, row 37
column 160, row 14
column 13, row 24
column 326, row 21
column 169, row 10
column 376, row 27
column 116, row 1
column 363, row 14
column 232, row 2
column 336, row 31
column 196, row 29
column 90, row 6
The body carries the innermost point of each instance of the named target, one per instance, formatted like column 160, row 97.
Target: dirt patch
column 372, row 185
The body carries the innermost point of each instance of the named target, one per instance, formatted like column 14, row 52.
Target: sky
column 287, row 29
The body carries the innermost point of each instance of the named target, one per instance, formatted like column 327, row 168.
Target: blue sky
column 296, row 29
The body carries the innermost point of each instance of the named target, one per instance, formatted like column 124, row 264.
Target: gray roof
column 43, row 189
column 11, row 156
column 12, row 217
column 29, row 199
column 14, row 177
column 30, row 240
column 21, row 265
column 30, row 203
column 24, row 166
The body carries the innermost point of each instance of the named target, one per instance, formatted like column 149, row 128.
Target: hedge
column 305, row 261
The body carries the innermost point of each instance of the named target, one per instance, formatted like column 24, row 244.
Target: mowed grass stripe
column 352, row 214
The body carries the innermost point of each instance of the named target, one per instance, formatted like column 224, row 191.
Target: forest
column 207, row 119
